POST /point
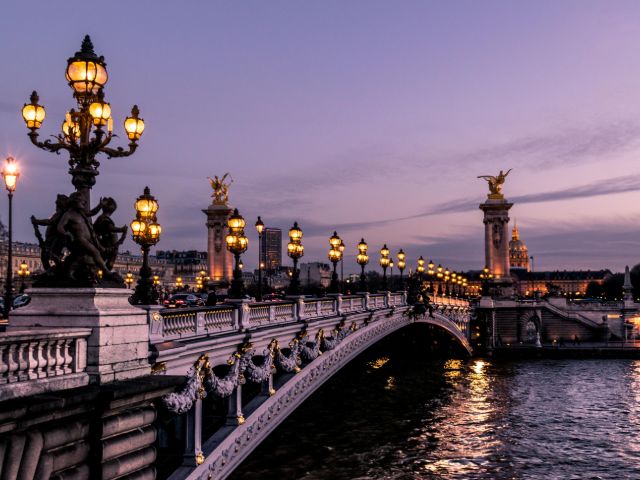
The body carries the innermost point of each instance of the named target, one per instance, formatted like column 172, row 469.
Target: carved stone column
column 496, row 241
column 219, row 258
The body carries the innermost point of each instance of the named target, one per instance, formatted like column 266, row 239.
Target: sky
column 372, row 118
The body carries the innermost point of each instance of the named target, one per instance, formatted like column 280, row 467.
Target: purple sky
column 351, row 115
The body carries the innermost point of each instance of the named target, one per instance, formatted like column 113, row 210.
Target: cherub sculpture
column 75, row 225
column 220, row 189
column 495, row 183
column 106, row 231
column 52, row 245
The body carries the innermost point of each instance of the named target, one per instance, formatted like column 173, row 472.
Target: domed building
column 518, row 251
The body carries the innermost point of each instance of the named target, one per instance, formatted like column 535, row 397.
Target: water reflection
column 477, row 419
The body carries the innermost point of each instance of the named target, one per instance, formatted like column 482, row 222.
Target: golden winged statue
column 495, row 183
column 220, row 189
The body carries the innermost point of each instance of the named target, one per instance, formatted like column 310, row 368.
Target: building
column 185, row 264
column 518, row 252
column 559, row 282
column 271, row 249
column 314, row 274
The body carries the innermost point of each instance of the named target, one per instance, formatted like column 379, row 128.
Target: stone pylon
column 496, row 240
column 627, row 288
column 219, row 258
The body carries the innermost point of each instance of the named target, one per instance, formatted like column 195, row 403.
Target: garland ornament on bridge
column 85, row 132
column 202, row 380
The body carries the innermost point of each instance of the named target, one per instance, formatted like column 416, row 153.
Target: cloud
column 556, row 148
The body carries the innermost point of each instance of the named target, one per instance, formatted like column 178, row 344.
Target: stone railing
column 175, row 324
column 39, row 361
column 443, row 300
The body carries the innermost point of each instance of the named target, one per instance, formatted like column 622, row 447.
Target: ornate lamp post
column 447, row 277
column 341, row 248
column 129, row 279
column 420, row 269
column 485, row 276
column 439, row 276
column 260, row 229
column 431, row 273
column 454, row 282
column 10, row 174
column 401, row 266
column 86, row 131
column 146, row 232
column 334, row 257
column 362, row 260
column 384, row 263
column 179, row 283
column 237, row 244
column 23, row 272
column 295, row 250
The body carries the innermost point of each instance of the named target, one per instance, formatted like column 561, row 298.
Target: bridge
column 264, row 359
column 302, row 343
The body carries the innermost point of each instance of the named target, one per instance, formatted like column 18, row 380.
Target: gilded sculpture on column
column 220, row 189
column 495, row 184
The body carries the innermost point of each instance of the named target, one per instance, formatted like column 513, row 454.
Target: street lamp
column 447, row 277
column 334, row 257
column 485, row 276
column 10, row 174
column 179, row 283
column 439, row 276
column 401, row 266
column 341, row 248
column 362, row 260
column 420, row 269
column 23, row 272
column 145, row 231
column 384, row 263
column 237, row 244
column 431, row 272
column 260, row 229
column 128, row 279
column 295, row 250
column 87, row 130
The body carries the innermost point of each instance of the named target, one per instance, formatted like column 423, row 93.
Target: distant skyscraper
column 271, row 255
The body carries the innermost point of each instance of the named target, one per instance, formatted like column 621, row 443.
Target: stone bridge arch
column 218, row 456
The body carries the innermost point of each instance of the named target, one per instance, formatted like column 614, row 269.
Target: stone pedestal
column 118, row 347
column 220, row 259
column 496, row 241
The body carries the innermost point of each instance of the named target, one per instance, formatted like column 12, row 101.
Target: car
column 272, row 297
column 181, row 300
column 21, row 301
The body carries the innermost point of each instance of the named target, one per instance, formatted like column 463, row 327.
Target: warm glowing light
column 10, row 174
column 133, row 125
column 32, row 113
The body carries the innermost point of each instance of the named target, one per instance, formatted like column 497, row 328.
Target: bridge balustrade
column 42, row 361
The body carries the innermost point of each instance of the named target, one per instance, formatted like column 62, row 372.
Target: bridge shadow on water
column 345, row 424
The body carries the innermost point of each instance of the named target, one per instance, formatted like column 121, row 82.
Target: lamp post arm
column 119, row 151
column 48, row 144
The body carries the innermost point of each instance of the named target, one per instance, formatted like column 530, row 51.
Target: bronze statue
column 52, row 245
column 85, row 251
column 220, row 189
column 106, row 231
column 495, row 183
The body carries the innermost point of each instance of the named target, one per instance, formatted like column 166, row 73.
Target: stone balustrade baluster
column 13, row 364
column 32, row 358
column 23, row 361
column 4, row 363
column 42, row 359
column 66, row 346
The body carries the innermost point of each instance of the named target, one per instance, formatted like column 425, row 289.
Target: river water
column 397, row 412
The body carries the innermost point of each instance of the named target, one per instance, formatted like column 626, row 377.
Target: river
column 398, row 412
